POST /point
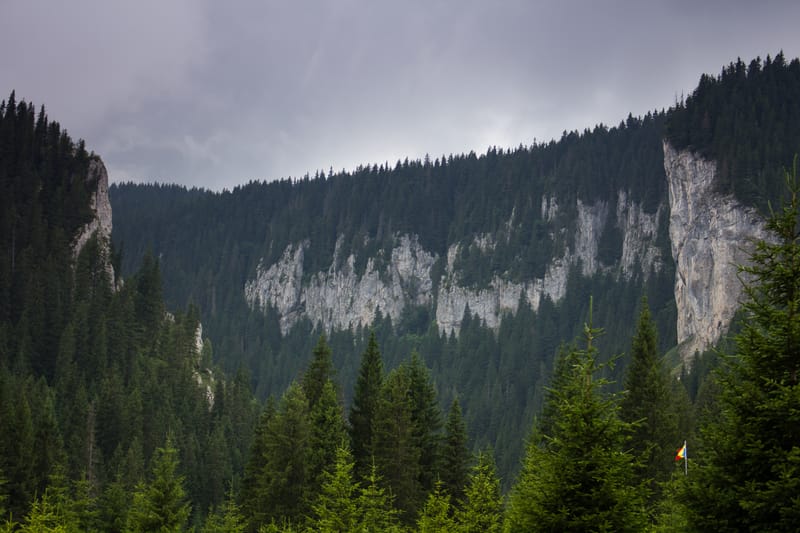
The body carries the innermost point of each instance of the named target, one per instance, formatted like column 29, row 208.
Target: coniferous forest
column 119, row 413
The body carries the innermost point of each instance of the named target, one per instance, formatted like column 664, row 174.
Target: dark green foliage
column 283, row 485
column 578, row 476
column 482, row 509
column 395, row 447
column 436, row 515
column 363, row 411
column 747, row 472
column 320, row 371
column 746, row 120
column 336, row 509
column 160, row 505
column 455, row 453
column 650, row 405
column 226, row 519
column 328, row 434
column 94, row 374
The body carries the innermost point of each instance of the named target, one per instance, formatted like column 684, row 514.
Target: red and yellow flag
column 681, row 453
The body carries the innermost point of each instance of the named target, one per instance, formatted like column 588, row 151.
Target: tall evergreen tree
column 396, row 449
column 328, row 434
column 482, row 509
column 366, row 397
column 747, row 473
column 455, row 454
column 161, row 504
column 319, row 371
column 427, row 418
column 649, row 406
column 285, row 479
column 436, row 515
column 579, row 476
column 336, row 509
column 376, row 506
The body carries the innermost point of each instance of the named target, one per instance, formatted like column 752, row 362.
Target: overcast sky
column 215, row 94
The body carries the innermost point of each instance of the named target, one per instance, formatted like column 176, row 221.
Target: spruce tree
column 482, row 509
column 436, row 515
column 747, row 473
column 649, row 406
column 376, row 506
column 328, row 433
column 396, row 449
column 336, row 509
column 160, row 505
column 455, row 454
column 427, row 418
column 283, row 485
column 319, row 371
column 365, row 404
column 579, row 476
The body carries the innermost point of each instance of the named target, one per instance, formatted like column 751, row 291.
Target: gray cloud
column 215, row 94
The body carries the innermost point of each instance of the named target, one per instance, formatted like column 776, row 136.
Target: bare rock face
column 101, row 223
column 99, row 204
column 711, row 234
column 341, row 298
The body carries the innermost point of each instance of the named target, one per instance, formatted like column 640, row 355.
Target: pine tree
column 427, row 418
column 376, row 506
column 747, row 473
column 226, row 519
column 396, row 450
column 366, row 396
column 319, row 371
column 482, row 510
column 436, row 515
column 455, row 454
column 256, row 463
column 328, row 433
column 336, row 509
column 579, row 476
column 284, row 482
column 649, row 406
column 160, row 505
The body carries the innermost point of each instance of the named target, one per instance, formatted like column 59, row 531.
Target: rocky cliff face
column 341, row 298
column 100, row 204
column 710, row 235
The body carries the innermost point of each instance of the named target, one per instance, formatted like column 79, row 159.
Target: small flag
column 681, row 453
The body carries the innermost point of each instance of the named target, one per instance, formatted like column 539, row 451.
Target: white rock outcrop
column 340, row 298
column 710, row 234
column 101, row 206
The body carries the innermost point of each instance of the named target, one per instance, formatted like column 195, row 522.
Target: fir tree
column 160, row 505
column 747, row 473
column 336, row 509
column 328, row 432
column 319, row 371
column 396, row 450
column 579, row 476
column 283, row 484
column 650, row 407
column 427, row 418
column 376, row 506
column 482, row 510
column 226, row 519
column 436, row 515
column 455, row 454
column 365, row 405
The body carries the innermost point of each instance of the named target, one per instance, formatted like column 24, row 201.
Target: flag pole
column 685, row 459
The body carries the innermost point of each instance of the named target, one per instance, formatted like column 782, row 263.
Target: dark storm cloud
column 215, row 94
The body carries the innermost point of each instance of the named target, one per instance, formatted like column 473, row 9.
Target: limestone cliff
column 97, row 178
column 341, row 298
column 710, row 235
